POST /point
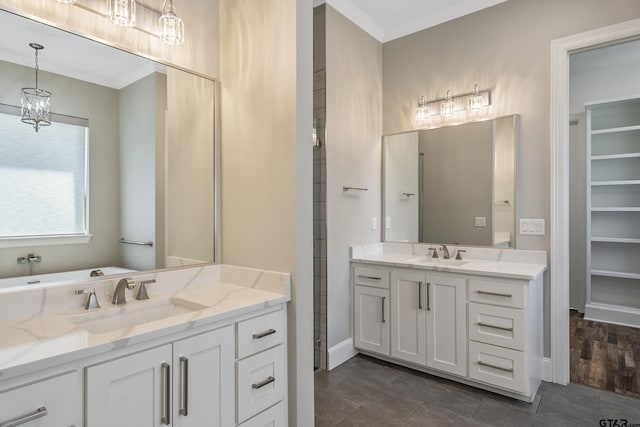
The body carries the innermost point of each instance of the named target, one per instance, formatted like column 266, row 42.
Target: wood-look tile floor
column 370, row 393
column 605, row 356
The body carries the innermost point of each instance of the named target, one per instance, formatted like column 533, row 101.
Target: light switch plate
column 374, row 223
column 532, row 227
column 480, row 221
column 387, row 224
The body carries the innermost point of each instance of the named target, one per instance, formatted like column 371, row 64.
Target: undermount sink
column 134, row 313
column 436, row 261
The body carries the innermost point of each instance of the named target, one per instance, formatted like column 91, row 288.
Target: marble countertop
column 506, row 263
column 51, row 337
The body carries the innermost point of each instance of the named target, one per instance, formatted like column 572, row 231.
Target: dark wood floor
column 605, row 356
column 370, row 393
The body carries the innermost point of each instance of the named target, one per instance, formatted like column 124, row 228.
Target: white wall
column 353, row 145
column 401, row 158
column 266, row 94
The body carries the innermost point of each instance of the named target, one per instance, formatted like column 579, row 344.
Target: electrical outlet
column 374, row 223
column 532, row 227
column 480, row 221
column 387, row 223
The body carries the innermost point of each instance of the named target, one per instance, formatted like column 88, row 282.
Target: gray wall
column 99, row 104
column 354, row 132
column 457, row 183
column 505, row 48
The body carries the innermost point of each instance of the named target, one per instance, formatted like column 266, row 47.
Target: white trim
column 559, row 224
column 21, row 242
column 616, row 315
column 340, row 353
column 547, row 370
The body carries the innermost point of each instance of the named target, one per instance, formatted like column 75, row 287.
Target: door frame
column 559, row 244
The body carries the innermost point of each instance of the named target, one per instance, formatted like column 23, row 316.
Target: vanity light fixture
column 122, row 12
column 447, row 107
column 476, row 101
column 66, row 1
column 422, row 113
column 172, row 26
column 35, row 102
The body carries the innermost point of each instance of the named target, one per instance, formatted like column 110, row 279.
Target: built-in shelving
column 613, row 211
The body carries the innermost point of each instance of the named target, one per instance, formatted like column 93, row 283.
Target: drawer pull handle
column 419, row 295
column 383, row 319
column 369, row 277
column 184, row 386
column 263, row 383
column 264, row 334
column 502, row 328
column 488, row 365
column 38, row 413
column 428, row 297
column 495, row 294
column 166, row 394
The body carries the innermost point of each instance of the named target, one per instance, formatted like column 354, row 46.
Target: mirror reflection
column 122, row 178
column 453, row 184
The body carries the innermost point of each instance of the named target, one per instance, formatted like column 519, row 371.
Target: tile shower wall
column 319, row 194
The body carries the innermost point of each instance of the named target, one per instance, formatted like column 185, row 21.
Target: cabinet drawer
column 272, row 417
column 498, row 366
column 371, row 276
column 260, row 333
column 497, row 325
column 61, row 396
column 508, row 294
column 261, row 382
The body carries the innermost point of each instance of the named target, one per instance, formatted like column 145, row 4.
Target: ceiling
column 391, row 19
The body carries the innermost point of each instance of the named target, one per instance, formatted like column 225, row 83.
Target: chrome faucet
column 445, row 252
column 119, row 296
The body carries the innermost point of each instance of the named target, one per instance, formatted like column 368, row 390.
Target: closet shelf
column 616, row 209
column 625, row 182
column 615, row 240
column 614, row 130
column 619, row 274
column 616, row 156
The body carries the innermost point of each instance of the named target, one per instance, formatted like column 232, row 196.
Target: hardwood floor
column 605, row 356
column 367, row 392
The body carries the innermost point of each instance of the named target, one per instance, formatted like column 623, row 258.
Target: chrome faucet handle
column 92, row 301
column 142, row 289
column 458, row 255
column 435, row 253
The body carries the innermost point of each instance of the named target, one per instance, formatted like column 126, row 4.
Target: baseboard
column 340, row 353
column 547, row 369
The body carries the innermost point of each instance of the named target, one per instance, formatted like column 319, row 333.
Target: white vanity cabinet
column 185, row 383
column 49, row 402
column 371, row 309
column 481, row 330
column 428, row 320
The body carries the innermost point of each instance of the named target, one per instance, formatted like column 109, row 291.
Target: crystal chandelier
column 172, row 26
column 122, row 12
column 35, row 102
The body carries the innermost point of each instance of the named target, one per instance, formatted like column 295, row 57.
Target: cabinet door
column 408, row 329
column 446, row 323
column 54, row 402
column 371, row 315
column 132, row 391
column 203, row 380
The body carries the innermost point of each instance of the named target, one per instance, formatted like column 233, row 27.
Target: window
column 43, row 177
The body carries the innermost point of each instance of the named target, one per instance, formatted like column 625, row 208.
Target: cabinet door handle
column 263, row 383
column 184, row 386
column 502, row 328
column 495, row 294
column 488, row 365
column 166, row 394
column 428, row 297
column 383, row 319
column 38, row 413
column 369, row 277
column 419, row 295
column 264, row 334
